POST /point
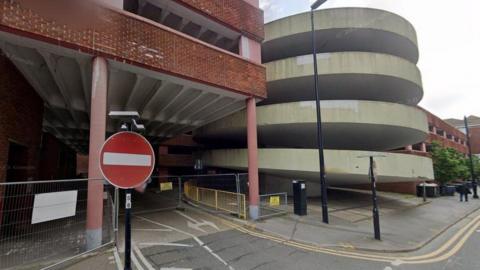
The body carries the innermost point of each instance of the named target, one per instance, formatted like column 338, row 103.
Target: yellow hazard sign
column 166, row 186
column 274, row 200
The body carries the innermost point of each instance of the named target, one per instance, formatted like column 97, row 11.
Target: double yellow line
column 448, row 249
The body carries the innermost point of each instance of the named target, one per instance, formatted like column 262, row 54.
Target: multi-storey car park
column 369, row 87
column 180, row 63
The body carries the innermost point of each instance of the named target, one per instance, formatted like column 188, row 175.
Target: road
column 199, row 241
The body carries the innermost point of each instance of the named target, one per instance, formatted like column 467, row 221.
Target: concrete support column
column 434, row 130
column 408, row 148
column 98, row 121
column 424, row 147
column 253, row 188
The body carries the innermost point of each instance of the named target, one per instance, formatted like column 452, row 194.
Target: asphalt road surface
column 239, row 248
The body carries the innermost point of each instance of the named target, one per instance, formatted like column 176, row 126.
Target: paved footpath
column 407, row 223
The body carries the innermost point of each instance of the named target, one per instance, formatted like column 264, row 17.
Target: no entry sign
column 127, row 160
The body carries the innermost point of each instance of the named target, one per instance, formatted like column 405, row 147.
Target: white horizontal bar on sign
column 122, row 159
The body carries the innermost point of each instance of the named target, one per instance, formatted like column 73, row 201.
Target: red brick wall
column 82, row 165
column 57, row 161
column 447, row 143
column 238, row 14
column 475, row 139
column 435, row 121
column 21, row 116
column 124, row 37
column 397, row 187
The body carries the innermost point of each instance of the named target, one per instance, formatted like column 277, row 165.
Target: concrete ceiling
column 182, row 19
column 62, row 77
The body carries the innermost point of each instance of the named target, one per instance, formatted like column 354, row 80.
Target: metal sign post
column 126, row 161
column 372, row 175
column 128, row 229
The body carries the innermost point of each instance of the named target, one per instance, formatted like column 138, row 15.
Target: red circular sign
column 127, row 160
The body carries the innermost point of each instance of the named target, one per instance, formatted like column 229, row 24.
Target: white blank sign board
column 54, row 205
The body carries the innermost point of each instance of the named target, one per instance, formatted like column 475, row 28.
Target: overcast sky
column 449, row 43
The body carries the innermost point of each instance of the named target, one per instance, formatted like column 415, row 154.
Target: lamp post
column 321, row 157
column 472, row 169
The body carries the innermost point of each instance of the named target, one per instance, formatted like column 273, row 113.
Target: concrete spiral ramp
column 370, row 86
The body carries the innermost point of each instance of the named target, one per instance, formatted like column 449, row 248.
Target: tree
column 476, row 167
column 449, row 164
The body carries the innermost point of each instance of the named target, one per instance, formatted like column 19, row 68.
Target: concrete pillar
column 253, row 188
column 424, row 147
column 434, row 130
column 98, row 121
column 408, row 148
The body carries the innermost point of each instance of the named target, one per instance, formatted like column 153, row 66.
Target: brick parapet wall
column 124, row 37
column 447, row 143
column 238, row 14
column 436, row 122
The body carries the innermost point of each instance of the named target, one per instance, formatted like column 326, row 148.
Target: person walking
column 467, row 191
column 461, row 190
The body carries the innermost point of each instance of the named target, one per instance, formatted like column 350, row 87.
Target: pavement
column 442, row 234
column 407, row 223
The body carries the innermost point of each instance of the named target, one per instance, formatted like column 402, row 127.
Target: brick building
column 474, row 128
column 180, row 63
column 443, row 132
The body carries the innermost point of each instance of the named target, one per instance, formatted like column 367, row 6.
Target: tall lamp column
column 321, row 156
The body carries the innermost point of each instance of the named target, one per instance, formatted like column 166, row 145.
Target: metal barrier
column 161, row 193
column 230, row 202
column 44, row 222
column 274, row 204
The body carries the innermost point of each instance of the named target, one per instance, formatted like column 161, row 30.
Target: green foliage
column 449, row 164
column 476, row 166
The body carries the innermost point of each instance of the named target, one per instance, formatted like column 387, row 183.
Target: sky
column 449, row 44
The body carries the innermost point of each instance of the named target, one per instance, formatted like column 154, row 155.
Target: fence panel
column 274, row 204
column 217, row 199
column 43, row 222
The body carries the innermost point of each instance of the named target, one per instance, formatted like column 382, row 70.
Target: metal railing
column 44, row 222
column 274, row 204
column 229, row 202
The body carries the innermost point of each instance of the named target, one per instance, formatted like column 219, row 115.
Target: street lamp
column 321, row 157
column 472, row 169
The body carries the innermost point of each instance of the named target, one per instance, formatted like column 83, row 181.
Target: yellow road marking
column 473, row 225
